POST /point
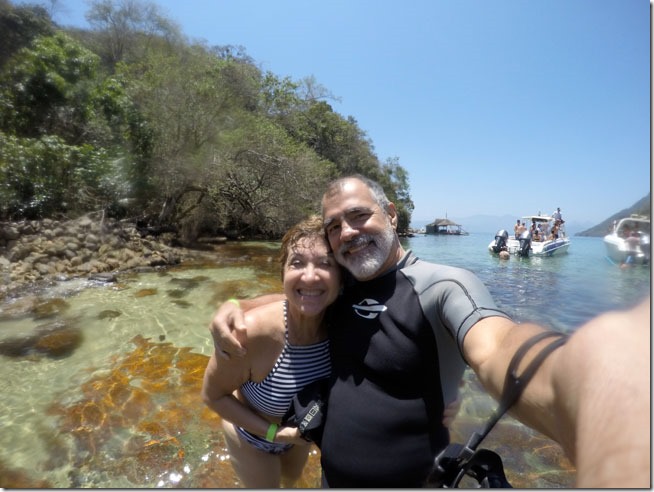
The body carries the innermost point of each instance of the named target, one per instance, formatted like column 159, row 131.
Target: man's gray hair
column 375, row 188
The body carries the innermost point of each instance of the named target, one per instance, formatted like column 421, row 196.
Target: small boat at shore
column 528, row 244
column 629, row 242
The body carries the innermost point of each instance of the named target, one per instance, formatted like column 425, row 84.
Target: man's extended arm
column 591, row 395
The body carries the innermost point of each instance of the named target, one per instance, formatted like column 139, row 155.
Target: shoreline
column 40, row 253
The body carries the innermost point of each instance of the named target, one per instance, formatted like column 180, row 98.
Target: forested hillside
column 641, row 207
column 132, row 120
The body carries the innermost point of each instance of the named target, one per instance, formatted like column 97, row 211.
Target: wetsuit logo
column 369, row 308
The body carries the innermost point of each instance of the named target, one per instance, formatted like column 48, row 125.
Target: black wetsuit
column 392, row 371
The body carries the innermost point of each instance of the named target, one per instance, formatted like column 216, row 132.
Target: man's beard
column 367, row 263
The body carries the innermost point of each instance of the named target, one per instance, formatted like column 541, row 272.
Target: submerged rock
column 53, row 340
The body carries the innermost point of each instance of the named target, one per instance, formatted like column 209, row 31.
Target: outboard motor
column 525, row 244
column 500, row 241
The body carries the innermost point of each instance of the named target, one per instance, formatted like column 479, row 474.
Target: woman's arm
column 223, row 377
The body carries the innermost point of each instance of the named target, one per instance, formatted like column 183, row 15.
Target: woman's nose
column 309, row 272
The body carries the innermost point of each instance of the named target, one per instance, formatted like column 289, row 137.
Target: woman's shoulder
column 265, row 321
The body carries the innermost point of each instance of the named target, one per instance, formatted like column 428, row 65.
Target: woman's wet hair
column 309, row 228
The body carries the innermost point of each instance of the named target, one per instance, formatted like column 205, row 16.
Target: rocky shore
column 33, row 252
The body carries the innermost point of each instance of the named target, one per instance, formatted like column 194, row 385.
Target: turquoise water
column 561, row 291
column 122, row 408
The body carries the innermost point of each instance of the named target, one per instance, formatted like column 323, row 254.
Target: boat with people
column 545, row 237
column 629, row 241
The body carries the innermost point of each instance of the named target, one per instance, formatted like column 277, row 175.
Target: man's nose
column 347, row 231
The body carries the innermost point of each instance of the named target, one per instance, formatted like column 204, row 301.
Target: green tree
column 79, row 131
column 264, row 181
column 19, row 25
column 395, row 180
column 126, row 30
column 45, row 89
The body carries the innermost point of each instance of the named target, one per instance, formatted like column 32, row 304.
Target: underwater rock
column 52, row 340
column 50, row 308
column 109, row 314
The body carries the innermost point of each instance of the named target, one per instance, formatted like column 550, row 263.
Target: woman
column 288, row 348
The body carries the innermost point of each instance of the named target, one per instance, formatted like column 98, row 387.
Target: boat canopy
column 538, row 218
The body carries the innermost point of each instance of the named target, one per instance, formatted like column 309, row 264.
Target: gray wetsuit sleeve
column 453, row 300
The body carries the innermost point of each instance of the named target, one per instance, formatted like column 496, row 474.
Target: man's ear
column 392, row 213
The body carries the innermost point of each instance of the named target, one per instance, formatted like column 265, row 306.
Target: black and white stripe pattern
column 296, row 367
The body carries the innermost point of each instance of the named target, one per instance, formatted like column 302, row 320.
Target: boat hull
column 620, row 251
column 629, row 243
column 554, row 247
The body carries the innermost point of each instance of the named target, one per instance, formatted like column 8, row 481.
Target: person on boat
column 403, row 331
column 535, row 232
column 516, row 229
column 558, row 218
column 554, row 233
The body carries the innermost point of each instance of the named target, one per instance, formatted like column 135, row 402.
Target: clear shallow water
column 122, row 407
column 561, row 291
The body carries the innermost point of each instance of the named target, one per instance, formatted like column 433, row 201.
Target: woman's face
column 312, row 278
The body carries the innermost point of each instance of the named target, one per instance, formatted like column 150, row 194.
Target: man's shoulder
column 425, row 273
column 435, row 268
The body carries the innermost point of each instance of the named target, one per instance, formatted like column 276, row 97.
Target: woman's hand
column 451, row 411
column 290, row 435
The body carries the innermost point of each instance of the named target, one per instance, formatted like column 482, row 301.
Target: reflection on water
column 101, row 382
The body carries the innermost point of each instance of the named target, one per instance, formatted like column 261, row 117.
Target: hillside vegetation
column 132, row 120
column 641, row 207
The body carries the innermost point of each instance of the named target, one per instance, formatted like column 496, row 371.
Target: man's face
column 360, row 233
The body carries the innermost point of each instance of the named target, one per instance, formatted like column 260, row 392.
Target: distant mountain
column 641, row 207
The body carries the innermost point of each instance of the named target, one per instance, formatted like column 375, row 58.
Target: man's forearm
column 602, row 385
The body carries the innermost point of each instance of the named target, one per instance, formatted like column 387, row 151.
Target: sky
column 493, row 107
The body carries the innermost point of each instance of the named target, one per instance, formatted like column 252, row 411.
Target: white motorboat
column 530, row 243
column 629, row 242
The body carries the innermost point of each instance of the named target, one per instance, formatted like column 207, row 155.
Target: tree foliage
column 131, row 118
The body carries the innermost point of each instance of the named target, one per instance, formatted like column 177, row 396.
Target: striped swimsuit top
column 296, row 367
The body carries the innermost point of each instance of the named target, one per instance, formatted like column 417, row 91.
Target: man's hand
column 228, row 328
column 228, row 331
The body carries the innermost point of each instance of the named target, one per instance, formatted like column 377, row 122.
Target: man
column 399, row 335
column 558, row 218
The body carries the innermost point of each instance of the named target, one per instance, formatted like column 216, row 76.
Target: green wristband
column 272, row 430
column 235, row 301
